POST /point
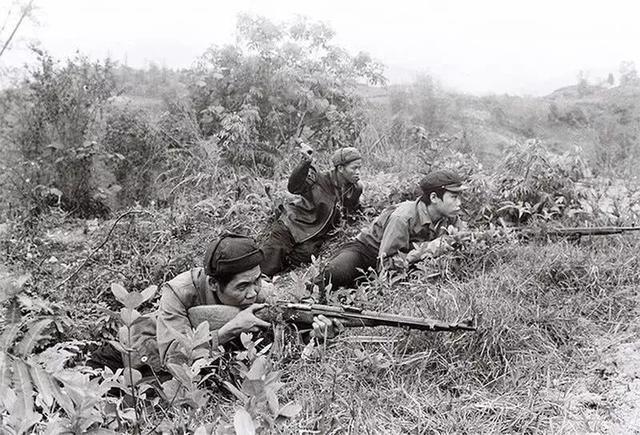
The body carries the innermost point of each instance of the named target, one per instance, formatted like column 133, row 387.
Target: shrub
column 278, row 83
column 53, row 126
column 138, row 152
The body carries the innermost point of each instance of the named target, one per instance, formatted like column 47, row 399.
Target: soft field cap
column 447, row 180
column 231, row 254
column 344, row 156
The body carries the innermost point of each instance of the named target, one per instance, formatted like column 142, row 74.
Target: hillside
column 603, row 122
column 115, row 181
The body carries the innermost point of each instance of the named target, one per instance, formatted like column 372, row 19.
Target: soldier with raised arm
column 323, row 197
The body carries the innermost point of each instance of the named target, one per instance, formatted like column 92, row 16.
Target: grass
column 542, row 307
column 541, row 313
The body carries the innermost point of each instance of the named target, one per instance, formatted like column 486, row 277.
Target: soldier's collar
column 423, row 213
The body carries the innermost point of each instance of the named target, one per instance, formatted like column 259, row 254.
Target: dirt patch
column 625, row 388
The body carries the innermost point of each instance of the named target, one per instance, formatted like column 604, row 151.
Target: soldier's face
column 351, row 171
column 449, row 205
column 243, row 289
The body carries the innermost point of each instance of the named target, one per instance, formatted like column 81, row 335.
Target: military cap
column 230, row 254
column 443, row 179
column 344, row 156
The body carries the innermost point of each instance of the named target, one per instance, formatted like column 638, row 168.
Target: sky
column 519, row 47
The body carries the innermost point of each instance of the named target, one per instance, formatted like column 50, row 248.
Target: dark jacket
column 318, row 209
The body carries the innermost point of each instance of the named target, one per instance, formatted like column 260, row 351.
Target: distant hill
column 603, row 121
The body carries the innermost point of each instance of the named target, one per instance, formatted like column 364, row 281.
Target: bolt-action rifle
column 589, row 231
column 302, row 316
column 527, row 232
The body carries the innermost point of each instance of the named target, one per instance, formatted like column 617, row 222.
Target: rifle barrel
column 355, row 317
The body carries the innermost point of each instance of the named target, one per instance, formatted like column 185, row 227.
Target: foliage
column 51, row 128
column 33, row 393
column 258, row 391
column 529, row 182
column 548, row 309
column 418, row 111
column 278, row 83
column 138, row 153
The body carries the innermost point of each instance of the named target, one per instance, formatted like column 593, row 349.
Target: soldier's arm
column 395, row 239
column 172, row 320
column 302, row 178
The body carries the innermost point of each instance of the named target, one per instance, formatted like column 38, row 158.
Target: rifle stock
column 302, row 315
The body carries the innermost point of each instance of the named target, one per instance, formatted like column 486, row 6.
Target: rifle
column 526, row 232
column 590, row 231
column 302, row 316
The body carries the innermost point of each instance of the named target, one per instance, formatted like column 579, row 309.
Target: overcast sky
column 476, row 46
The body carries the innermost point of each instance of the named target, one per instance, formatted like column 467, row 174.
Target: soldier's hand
column 324, row 328
column 440, row 246
column 305, row 151
column 369, row 211
column 246, row 320
column 434, row 248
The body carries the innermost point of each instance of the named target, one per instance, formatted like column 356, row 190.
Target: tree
column 583, row 83
column 54, row 112
column 25, row 11
column 417, row 111
column 611, row 80
column 280, row 82
column 628, row 74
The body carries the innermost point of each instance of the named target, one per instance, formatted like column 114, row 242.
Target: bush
column 53, row 126
column 138, row 153
column 276, row 84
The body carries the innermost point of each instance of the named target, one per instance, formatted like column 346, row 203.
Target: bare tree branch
column 25, row 11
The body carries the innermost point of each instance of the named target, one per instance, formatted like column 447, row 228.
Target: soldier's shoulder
column 184, row 282
column 405, row 209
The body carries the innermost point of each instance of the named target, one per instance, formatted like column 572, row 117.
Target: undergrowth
column 540, row 303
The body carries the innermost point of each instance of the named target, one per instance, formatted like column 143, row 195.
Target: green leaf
column 5, row 374
column 290, row 410
column 33, row 335
column 180, row 372
column 202, row 430
column 101, row 431
column 131, row 377
column 58, row 426
column 242, row 423
column 43, row 383
column 233, row 390
column 129, row 315
column 133, row 300
column 202, row 334
column 272, row 401
column 119, row 346
column 246, row 339
column 8, row 336
column 119, row 292
column 23, row 409
column 253, row 387
column 258, row 369
column 62, row 398
column 149, row 292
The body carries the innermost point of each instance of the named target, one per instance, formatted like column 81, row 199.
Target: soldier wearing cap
column 231, row 276
column 389, row 241
column 322, row 198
